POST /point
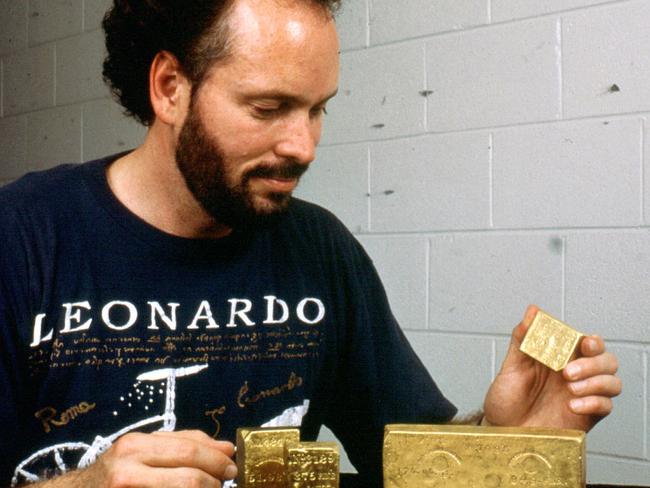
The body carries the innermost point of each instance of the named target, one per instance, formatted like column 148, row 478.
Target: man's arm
column 161, row 459
column 527, row 393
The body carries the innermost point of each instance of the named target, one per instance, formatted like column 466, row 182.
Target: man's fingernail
column 231, row 472
column 576, row 404
column 573, row 370
column 578, row 387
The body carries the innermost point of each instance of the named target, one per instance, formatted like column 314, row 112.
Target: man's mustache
column 286, row 170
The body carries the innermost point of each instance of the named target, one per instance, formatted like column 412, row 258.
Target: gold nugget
column 457, row 456
column 312, row 464
column 260, row 456
column 550, row 341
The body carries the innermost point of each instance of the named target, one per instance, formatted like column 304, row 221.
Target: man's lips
column 276, row 184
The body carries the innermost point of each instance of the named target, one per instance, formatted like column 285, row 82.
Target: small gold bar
column 260, row 456
column 312, row 464
column 550, row 341
column 459, row 456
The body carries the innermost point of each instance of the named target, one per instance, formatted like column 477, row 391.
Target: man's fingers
column 519, row 332
column 176, row 451
column 601, row 385
column 592, row 346
column 138, row 476
column 586, row 367
column 184, row 477
column 515, row 358
column 593, row 405
column 228, row 448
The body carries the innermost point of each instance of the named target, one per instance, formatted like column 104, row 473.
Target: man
column 179, row 289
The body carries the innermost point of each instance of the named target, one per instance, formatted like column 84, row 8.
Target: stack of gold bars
column 275, row 458
column 440, row 456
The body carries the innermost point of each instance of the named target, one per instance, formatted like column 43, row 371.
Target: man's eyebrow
column 284, row 96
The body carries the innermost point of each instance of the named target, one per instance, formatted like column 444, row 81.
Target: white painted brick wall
column 488, row 153
column 28, row 80
column 573, row 174
column 415, row 183
column 478, row 77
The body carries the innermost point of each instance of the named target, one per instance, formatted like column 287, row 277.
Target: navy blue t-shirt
column 109, row 325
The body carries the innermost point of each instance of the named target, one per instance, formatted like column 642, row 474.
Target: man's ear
column 169, row 88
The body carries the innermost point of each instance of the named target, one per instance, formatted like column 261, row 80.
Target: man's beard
column 204, row 167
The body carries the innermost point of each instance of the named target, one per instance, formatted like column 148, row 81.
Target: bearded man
column 154, row 301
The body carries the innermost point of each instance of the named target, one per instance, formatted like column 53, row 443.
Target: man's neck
column 148, row 182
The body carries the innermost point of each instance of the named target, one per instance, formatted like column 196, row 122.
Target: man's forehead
column 264, row 21
column 278, row 45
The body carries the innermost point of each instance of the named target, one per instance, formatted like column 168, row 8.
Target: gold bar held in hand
column 260, row 456
column 458, row 456
column 312, row 464
column 550, row 341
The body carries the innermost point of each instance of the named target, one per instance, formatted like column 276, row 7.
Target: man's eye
column 319, row 111
column 265, row 112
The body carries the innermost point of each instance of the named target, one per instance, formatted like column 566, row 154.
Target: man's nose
column 299, row 139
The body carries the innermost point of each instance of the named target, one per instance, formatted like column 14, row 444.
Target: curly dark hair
column 195, row 31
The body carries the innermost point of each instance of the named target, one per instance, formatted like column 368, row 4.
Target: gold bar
column 260, row 456
column 312, row 464
column 550, row 341
column 459, row 456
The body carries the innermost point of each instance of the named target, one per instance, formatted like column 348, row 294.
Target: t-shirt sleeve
column 381, row 380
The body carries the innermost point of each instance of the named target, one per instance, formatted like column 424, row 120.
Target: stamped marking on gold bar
column 260, row 456
column 550, row 341
column 312, row 465
column 456, row 456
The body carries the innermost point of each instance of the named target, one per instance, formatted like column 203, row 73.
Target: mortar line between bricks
column 614, row 456
column 81, row 135
column 517, row 125
column 477, row 27
column 58, row 39
column 563, row 280
column 489, row 12
column 27, row 10
column 427, row 284
column 642, row 170
column 560, row 63
column 619, row 457
column 2, row 87
column 63, row 105
column 505, row 231
column 636, row 345
column 83, row 16
column 425, row 87
column 369, row 188
column 645, row 405
column 491, row 179
column 494, row 359
column 465, row 334
column 54, row 84
column 367, row 24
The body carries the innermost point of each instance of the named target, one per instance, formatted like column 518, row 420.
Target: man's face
column 255, row 120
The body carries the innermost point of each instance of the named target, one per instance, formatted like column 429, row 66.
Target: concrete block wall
column 494, row 153
column 487, row 153
column 54, row 105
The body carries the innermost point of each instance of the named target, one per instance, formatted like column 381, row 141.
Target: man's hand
column 161, row 460
column 527, row 393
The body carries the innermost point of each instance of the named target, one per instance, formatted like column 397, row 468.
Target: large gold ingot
column 458, row 456
column 550, row 341
column 312, row 465
column 260, row 456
